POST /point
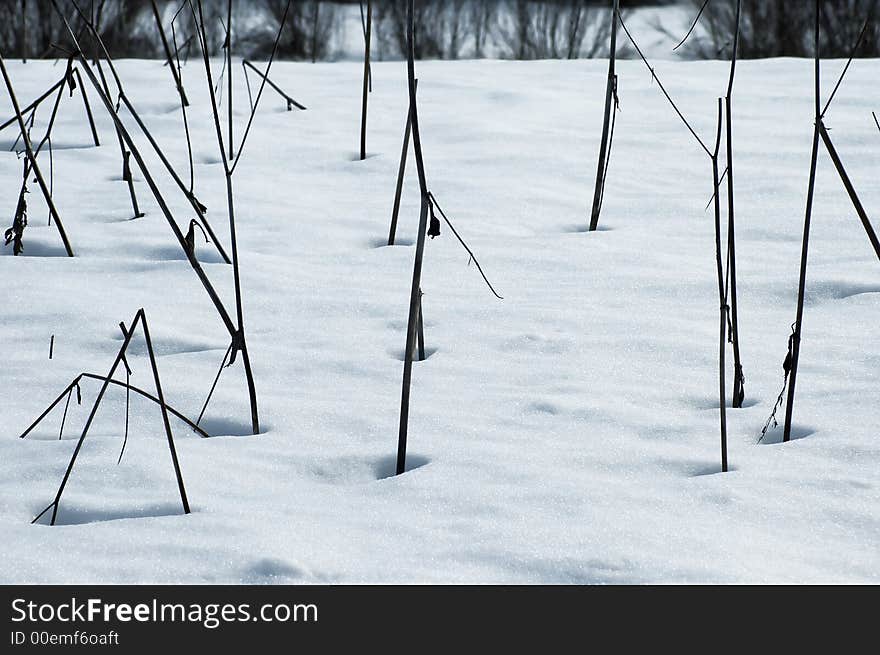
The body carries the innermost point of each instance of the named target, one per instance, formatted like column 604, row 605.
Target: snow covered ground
column 568, row 433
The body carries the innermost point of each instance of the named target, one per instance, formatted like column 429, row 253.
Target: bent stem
column 401, row 170
column 245, row 64
column 68, row 390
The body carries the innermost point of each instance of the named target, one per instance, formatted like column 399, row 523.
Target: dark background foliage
column 777, row 28
column 445, row 29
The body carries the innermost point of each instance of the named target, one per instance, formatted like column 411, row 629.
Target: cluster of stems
column 820, row 133
column 235, row 327
column 726, row 276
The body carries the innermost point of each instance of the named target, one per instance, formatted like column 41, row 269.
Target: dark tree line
column 128, row 28
column 513, row 29
column 444, row 29
column 120, row 24
column 783, row 28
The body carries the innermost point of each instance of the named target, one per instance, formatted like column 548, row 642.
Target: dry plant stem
column 421, row 330
column 47, row 138
column 366, row 91
column 35, row 167
column 195, row 428
column 189, row 149
column 805, row 245
column 849, row 61
column 832, row 151
column 819, row 132
column 420, row 334
column 29, row 122
column 87, row 106
column 265, row 77
column 151, row 183
column 738, row 378
column 239, row 343
column 662, row 88
column 213, row 385
column 168, row 55
column 126, row 167
column 433, row 204
column 194, row 202
column 160, row 394
column 693, row 25
column 290, row 101
column 606, row 122
column 139, row 318
column 177, row 48
column 415, row 293
column 55, row 87
column 716, row 181
column 722, row 336
column 64, row 415
column 101, row 378
column 850, row 189
column 229, row 73
column 398, row 191
column 55, row 402
column 35, row 103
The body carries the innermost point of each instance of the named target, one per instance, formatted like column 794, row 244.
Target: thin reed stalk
column 169, row 57
column 367, row 24
column 35, row 167
column 415, row 292
column 607, row 130
column 795, row 340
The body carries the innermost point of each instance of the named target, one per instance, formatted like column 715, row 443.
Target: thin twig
column 262, row 86
column 662, row 88
column 849, row 61
column 720, row 180
column 239, row 343
column 434, row 203
column 183, row 101
column 290, row 101
column 127, row 409
column 214, row 385
column 795, row 339
column 693, row 26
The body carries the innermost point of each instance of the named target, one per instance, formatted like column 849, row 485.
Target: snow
column 567, row 434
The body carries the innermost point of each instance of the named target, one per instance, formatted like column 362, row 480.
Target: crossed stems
column 139, row 319
column 235, row 329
